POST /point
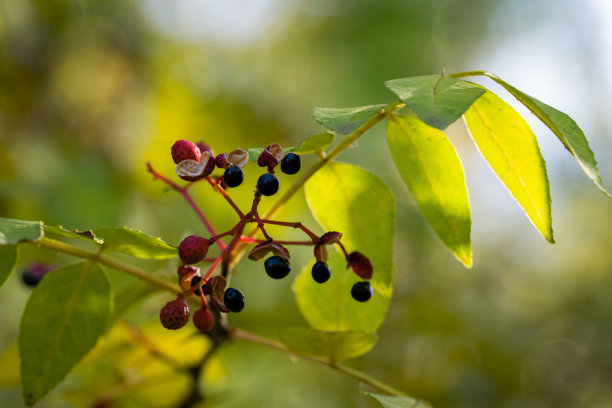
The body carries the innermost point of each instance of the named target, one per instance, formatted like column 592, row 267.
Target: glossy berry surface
column 174, row 315
column 234, row 300
column 194, row 281
column 204, row 320
column 362, row 291
column 193, row 249
column 277, row 267
column 291, row 163
column 233, row 176
column 267, row 184
column 321, row 272
column 185, row 150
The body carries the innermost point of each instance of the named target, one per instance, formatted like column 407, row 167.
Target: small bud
column 193, row 249
column 204, row 320
column 330, row 238
column 221, row 161
column 185, row 275
column 238, row 157
column 192, row 170
column 216, row 288
column 361, row 264
column 263, row 249
column 271, row 156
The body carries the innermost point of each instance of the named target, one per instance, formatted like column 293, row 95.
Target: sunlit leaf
column 345, row 120
column 8, row 259
column 429, row 165
column 135, row 243
column 507, row 143
column 9, row 366
column 564, row 127
column 315, row 143
column 437, row 100
column 334, row 345
column 348, row 199
column 392, row 401
column 13, row 231
column 62, row 321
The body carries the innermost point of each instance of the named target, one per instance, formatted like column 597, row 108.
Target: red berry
column 204, row 320
column 175, row 314
column 185, row 150
column 193, row 249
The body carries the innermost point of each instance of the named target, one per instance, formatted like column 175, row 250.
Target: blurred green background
column 92, row 90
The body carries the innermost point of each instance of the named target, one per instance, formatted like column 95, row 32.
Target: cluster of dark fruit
column 196, row 161
column 35, row 271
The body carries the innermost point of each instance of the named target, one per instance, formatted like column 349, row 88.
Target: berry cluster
column 196, row 162
column 35, row 271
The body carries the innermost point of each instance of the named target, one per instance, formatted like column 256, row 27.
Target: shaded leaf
column 564, row 127
column 437, row 100
column 343, row 197
column 430, row 167
column 62, row 321
column 345, row 120
column 135, row 243
column 14, row 231
column 61, row 232
column 509, row 146
column 8, row 259
column 393, row 401
column 334, row 345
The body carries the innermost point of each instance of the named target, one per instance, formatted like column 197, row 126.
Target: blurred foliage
column 92, row 89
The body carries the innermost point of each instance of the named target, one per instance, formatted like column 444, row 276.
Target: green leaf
column 393, row 401
column 334, row 345
column 9, row 366
column 564, row 127
column 346, row 198
column 430, row 167
column 62, row 321
column 14, row 231
column 135, row 243
column 61, row 232
column 509, row 146
column 345, row 120
column 8, row 259
column 254, row 153
column 437, row 100
column 314, row 144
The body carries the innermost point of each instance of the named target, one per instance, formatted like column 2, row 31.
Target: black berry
column 362, row 291
column 267, row 184
column 34, row 273
column 233, row 176
column 291, row 163
column 277, row 267
column 234, row 300
column 321, row 272
column 194, row 281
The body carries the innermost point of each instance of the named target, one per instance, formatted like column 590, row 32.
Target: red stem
column 314, row 237
column 247, row 239
column 183, row 191
column 221, row 191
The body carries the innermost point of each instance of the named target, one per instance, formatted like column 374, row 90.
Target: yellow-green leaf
column 333, row 345
column 8, row 259
column 430, row 167
column 507, row 143
column 135, row 243
column 348, row 199
column 395, row 401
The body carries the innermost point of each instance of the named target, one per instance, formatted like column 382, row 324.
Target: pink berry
column 193, row 249
column 185, row 150
column 175, row 314
column 204, row 320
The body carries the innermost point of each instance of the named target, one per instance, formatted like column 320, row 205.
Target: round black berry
column 194, row 281
column 267, row 184
column 234, row 300
column 362, row 291
column 34, row 273
column 291, row 163
column 233, row 176
column 321, row 272
column 277, row 267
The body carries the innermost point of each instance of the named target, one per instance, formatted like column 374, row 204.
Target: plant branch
column 113, row 263
column 351, row 372
column 215, row 185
